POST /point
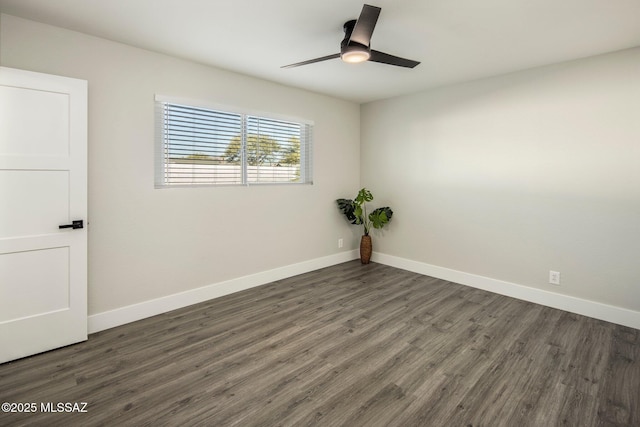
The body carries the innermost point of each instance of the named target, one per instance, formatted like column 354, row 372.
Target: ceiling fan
column 356, row 45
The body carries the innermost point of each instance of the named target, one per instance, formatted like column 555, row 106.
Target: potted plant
column 356, row 212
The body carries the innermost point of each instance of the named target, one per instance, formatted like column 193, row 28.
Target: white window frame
column 162, row 178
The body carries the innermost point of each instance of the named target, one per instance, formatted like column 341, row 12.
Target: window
column 200, row 146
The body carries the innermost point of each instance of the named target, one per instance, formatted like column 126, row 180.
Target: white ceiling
column 456, row 40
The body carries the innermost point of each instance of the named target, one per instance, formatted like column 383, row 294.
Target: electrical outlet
column 340, row 243
column 554, row 277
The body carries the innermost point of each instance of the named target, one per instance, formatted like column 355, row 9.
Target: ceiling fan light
column 354, row 54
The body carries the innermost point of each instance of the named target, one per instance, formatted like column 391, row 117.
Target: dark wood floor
column 349, row 345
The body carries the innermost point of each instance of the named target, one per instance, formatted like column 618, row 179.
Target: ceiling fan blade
column 385, row 58
column 311, row 61
column 365, row 24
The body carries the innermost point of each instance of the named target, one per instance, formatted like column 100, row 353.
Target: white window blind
column 200, row 146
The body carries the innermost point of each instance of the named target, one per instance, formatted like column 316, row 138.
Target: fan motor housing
column 353, row 51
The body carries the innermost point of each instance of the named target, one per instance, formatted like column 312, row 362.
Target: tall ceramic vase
column 365, row 249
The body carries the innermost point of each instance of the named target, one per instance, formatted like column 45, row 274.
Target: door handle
column 74, row 224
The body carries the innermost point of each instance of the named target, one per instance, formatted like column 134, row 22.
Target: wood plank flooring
column 348, row 345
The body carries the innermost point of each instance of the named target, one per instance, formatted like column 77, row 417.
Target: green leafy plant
column 356, row 211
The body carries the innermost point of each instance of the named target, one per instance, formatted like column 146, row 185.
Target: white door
column 43, row 184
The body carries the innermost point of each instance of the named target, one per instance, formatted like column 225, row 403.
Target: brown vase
column 365, row 249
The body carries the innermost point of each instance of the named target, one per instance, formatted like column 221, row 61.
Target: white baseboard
column 131, row 313
column 597, row 310
column 120, row 316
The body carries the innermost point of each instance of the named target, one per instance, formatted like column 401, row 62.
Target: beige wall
column 505, row 178
column 146, row 243
column 513, row 176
